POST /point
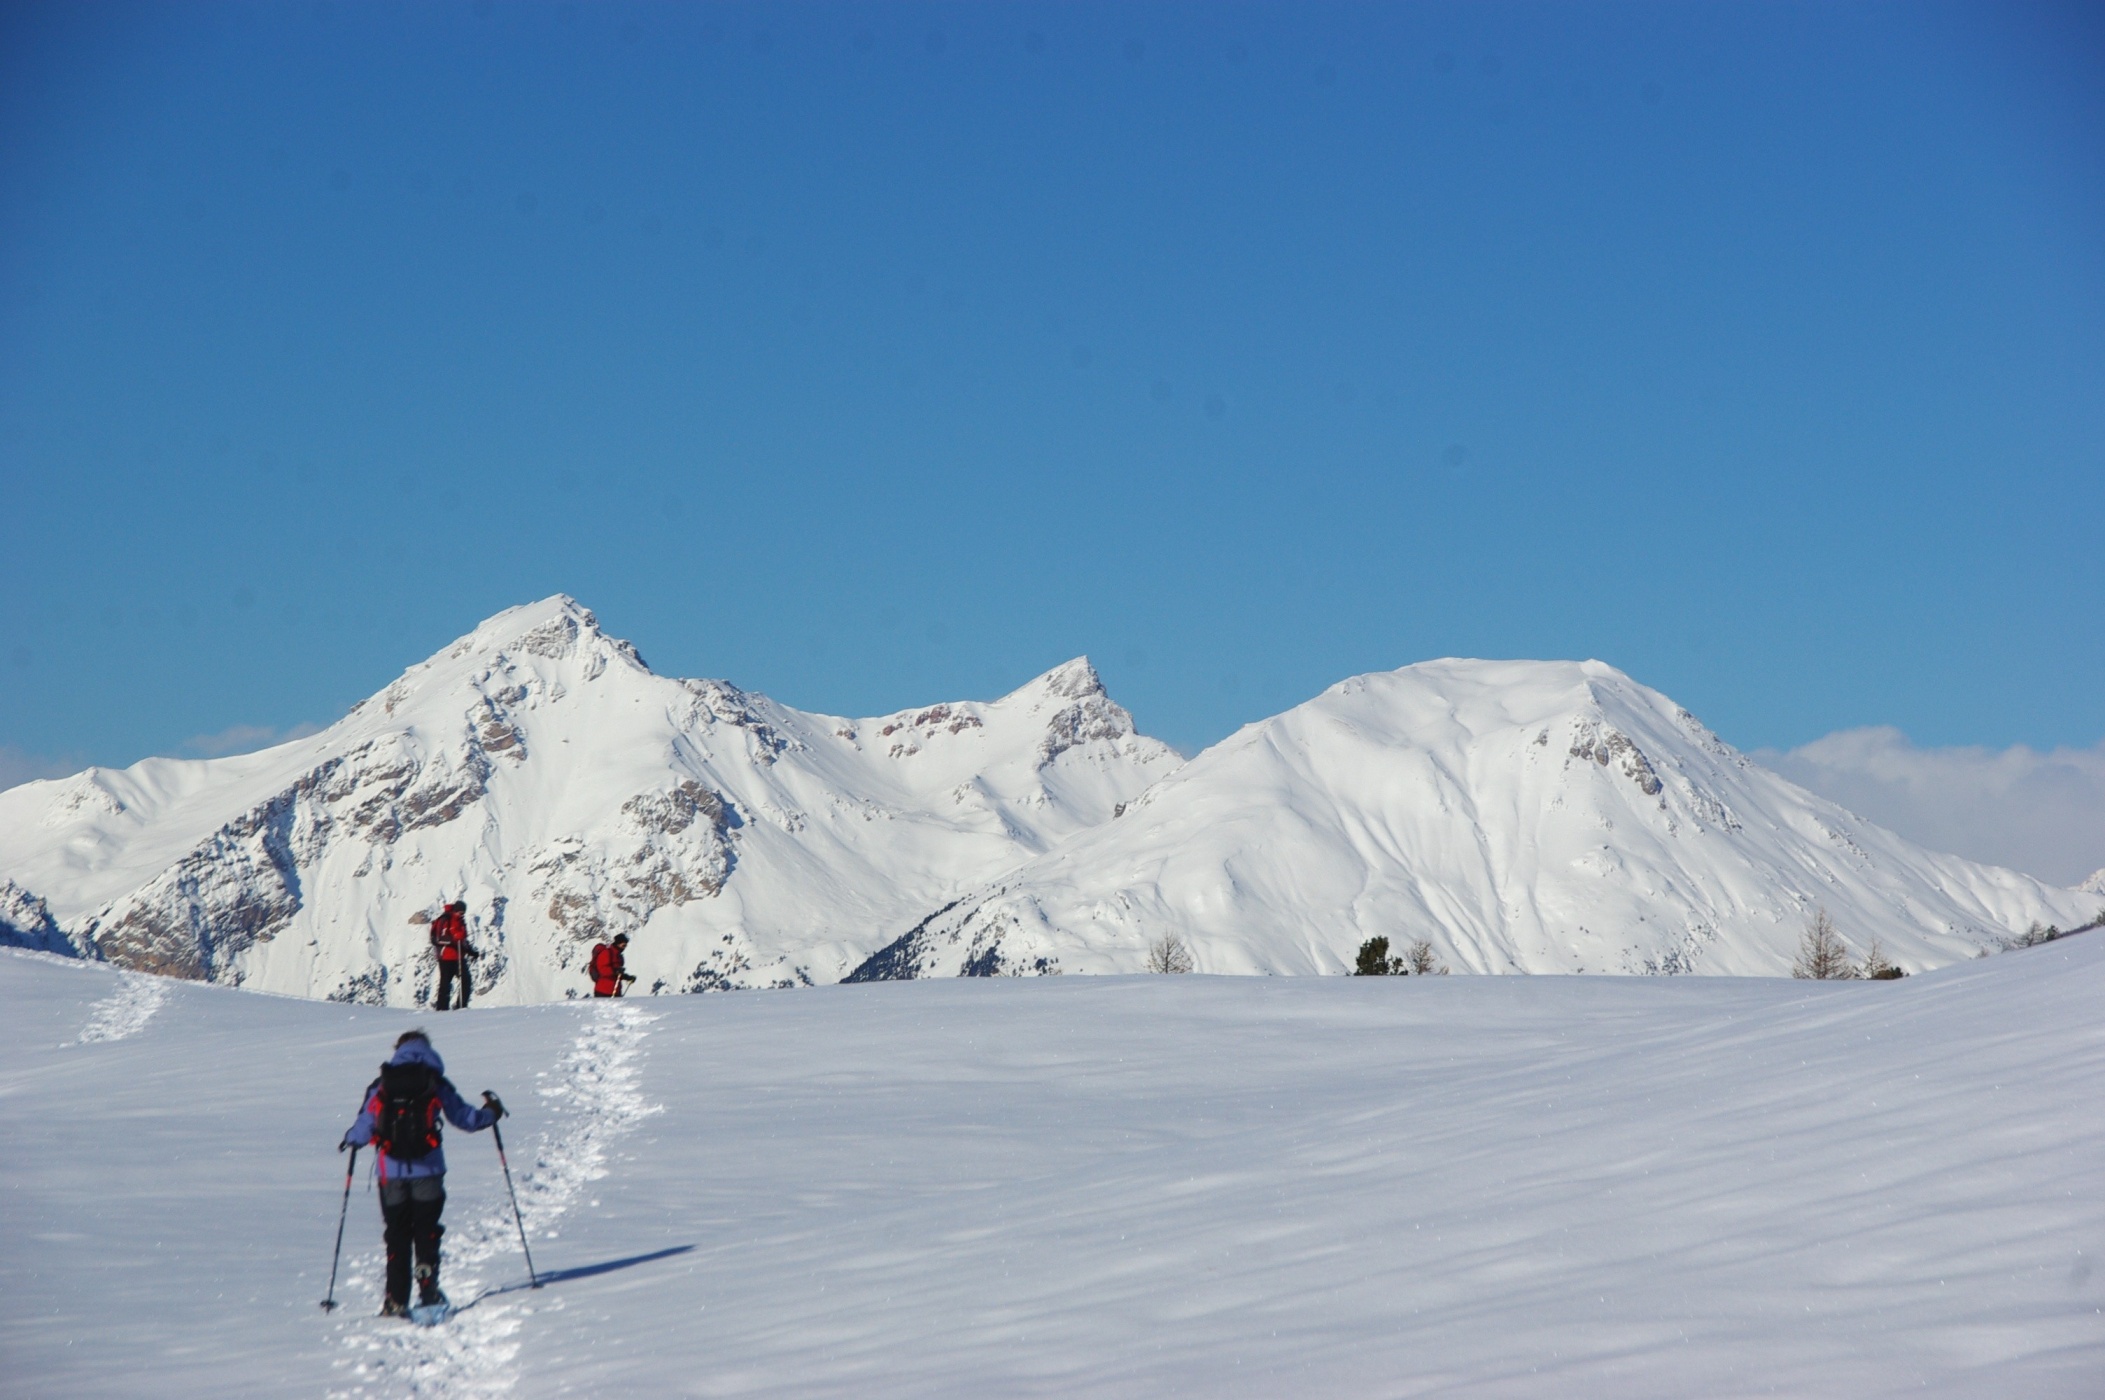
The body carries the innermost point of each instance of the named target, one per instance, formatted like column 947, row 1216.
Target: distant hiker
column 608, row 977
column 400, row 1117
column 449, row 939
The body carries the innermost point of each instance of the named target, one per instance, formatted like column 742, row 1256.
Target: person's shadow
column 581, row 1271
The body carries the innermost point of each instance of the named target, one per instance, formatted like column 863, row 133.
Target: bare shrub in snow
column 1420, row 960
column 2031, row 937
column 1822, row 955
column 1876, row 967
column 1168, row 954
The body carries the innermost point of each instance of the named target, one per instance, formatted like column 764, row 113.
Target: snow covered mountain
column 540, row 770
column 1521, row 816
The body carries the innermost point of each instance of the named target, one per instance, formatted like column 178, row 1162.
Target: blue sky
column 868, row 356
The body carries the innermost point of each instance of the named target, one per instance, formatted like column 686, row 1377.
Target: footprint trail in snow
column 591, row 1098
column 125, row 1011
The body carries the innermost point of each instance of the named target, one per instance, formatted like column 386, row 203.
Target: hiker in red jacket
column 608, row 978
column 449, row 939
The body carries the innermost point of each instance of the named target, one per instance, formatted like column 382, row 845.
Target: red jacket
column 607, row 970
column 449, row 934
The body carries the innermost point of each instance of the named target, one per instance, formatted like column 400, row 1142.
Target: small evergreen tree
column 1822, row 955
column 1374, row 959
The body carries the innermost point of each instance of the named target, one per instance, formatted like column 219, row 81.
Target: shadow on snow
column 581, row 1271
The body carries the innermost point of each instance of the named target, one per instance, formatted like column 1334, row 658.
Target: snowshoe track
column 125, row 1011
column 591, row 1098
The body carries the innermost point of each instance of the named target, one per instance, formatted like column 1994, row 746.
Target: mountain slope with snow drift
column 538, row 769
column 1521, row 816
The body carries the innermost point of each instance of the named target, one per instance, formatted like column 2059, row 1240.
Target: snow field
column 1098, row 1187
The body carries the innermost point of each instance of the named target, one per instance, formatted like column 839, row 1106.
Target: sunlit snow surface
column 1459, row 1186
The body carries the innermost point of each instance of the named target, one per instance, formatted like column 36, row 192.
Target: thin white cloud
column 244, row 738
column 2042, row 813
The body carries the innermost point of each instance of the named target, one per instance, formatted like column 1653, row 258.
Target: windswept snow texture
column 1522, row 816
column 1081, row 1187
column 538, row 769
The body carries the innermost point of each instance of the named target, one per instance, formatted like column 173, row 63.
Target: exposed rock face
column 681, row 851
column 538, row 769
column 1590, row 740
column 239, row 888
column 26, row 922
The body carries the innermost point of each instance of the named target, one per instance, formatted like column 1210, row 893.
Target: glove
column 344, row 1146
column 494, row 1104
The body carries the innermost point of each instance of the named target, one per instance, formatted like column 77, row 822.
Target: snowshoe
column 432, row 1311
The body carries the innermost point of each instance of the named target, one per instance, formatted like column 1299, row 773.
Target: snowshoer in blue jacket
column 400, row 1118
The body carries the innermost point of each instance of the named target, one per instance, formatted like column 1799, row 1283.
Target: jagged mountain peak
column 557, row 628
column 549, row 649
column 538, row 767
column 1071, row 680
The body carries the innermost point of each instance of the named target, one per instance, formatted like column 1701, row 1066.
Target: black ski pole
column 351, row 1170
column 498, row 1133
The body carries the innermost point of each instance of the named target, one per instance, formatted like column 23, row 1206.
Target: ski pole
column 329, row 1303
column 498, row 1133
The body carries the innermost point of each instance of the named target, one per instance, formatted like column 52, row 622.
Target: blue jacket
column 467, row 1117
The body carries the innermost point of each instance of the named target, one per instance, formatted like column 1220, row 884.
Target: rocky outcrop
column 678, row 849
column 26, row 922
column 1595, row 741
column 239, row 888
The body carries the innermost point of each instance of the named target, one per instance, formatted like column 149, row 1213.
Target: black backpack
column 408, row 1126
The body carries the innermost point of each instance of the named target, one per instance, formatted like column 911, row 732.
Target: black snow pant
column 410, row 1212
column 448, row 971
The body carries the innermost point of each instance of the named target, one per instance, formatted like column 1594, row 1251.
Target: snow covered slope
column 1464, row 1187
column 540, row 770
column 1522, row 816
